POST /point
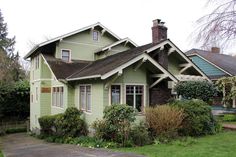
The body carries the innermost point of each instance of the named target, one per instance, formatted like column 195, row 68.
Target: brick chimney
column 215, row 50
column 159, row 31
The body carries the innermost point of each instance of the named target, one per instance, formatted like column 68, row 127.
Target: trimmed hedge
column 196, row 90
column 64, row 124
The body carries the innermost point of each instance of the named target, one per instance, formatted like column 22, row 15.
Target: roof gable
column 223, row 62
column 98, row 24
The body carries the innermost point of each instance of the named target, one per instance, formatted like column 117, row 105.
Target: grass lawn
column 220, row 145
column 229, row 123
column 1, row 155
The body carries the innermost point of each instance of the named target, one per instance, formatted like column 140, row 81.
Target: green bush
column 15, row 130
column 116, row 124
column 14, row 100
column 139, row 135
column 196, row 90
column 64, row 124
column 198, row 118
column 47, row 123
column 229, row 118
column 70, row 123
column 164, row 121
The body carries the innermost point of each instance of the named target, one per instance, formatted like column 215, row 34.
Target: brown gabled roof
column 62, row 69
column 109, row 63
column 225, row 62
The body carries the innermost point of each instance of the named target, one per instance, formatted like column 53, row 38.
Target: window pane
column 95, row 35
column 129, row 89
column 130, row 100
column 138, row 102
column 88, row 92
column 115, row 94
column 82, row 97
column 58, row 97
column 65, row 55
column 61, row 96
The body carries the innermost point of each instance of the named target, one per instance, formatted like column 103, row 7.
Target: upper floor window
column 95, row 35
column 36, row 62
column 65, row 55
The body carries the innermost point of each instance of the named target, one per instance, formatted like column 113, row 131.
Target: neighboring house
column 212, row 63
column 92, row 68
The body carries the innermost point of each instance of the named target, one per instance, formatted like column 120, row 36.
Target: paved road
column 22, row 145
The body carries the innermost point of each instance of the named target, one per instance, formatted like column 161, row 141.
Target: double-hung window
column 36, row 62
column 115, row 94
column 57, row 96
column 65, row 55
column 85, row 98
column 134, row 96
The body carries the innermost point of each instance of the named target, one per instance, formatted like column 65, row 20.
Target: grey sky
column 36, row 20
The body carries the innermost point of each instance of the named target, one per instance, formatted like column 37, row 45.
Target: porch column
column 224, row 105
column 234, row 99
column 234, row 102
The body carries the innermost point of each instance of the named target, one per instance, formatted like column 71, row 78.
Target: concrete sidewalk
column 23, row 145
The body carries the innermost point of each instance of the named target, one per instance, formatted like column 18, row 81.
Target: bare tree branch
column 219, row 27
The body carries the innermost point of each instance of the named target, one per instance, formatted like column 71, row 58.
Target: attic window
column 95, row 35
column 65, row 55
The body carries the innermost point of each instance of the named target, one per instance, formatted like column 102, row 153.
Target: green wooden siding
column 206, row 67
column 82, row 45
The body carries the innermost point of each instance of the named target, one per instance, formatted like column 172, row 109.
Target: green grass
column 220, row 145
column 1, row 155
column 229, row 123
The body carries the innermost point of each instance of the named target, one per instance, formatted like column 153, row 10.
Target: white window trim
column 98, row 35
column 121, row 93
column 63, row 97
column 69, row 54
column 79, row 105
column 144, row 92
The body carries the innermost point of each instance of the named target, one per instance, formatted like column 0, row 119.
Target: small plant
column 164, row 121
column 139, row 134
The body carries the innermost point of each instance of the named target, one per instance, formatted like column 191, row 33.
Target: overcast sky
column 33, row 21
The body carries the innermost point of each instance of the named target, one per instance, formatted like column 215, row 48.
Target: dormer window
column 95, row 35
column 65, row 55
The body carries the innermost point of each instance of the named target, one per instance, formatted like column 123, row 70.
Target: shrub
column 164, row 121
column 15, row 130
column 229, row 118
column 64, row 124
column 116, row 123
column 198, row 120
column 47, row 123
column 196, row 90
column 70, row 123
column 139, row 135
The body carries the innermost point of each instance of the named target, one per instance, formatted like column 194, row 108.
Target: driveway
column 23, row 145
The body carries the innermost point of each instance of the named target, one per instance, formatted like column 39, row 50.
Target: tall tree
column 10, row 69
column 219, row 27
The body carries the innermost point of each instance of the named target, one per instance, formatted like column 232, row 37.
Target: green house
column 92, row 68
